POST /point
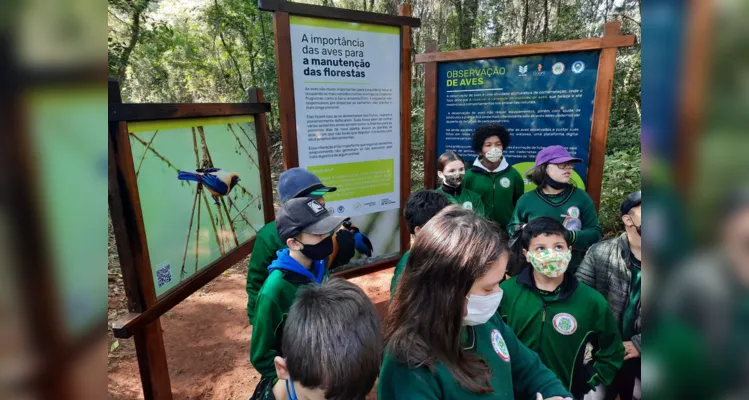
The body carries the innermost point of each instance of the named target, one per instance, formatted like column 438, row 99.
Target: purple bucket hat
column 553, row 155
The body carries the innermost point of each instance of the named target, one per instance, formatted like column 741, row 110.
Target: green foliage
column 622, row 137
column 214, row 50
column 621, row 176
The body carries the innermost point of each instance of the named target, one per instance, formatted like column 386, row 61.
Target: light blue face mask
column 291, row 393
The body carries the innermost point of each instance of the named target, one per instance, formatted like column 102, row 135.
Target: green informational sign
column 189, row 225
column 348, row 115
column 69, row 152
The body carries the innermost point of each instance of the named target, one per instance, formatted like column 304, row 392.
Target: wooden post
column 601, row 114
column 286, row 101
column 42, row 314
column 125, row 210
column 430, row 124
column 694, row 80
column 405, row 10
column 255, row 95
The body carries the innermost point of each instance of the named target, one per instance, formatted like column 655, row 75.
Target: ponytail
column 518, row 242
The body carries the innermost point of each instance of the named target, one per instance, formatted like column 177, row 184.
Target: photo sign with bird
column 200, row 191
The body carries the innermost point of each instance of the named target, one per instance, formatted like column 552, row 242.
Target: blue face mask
column 291, row 393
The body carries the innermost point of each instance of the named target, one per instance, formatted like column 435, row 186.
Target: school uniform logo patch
column 565, row 323
column 468, row 205
column 498, row 342
column 573, row 212
column 505, row 182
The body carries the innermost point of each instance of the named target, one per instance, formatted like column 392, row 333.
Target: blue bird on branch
column 217, row 181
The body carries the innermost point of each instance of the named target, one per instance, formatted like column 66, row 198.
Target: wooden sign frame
column 53, row 350
column 286, row 103
column 608, row 44
column 142, row 322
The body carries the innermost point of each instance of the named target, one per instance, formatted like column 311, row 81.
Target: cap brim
column 326, row 225
column 560, row 160
column 319, row 192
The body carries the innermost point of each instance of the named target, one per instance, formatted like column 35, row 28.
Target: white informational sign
column 347, row 96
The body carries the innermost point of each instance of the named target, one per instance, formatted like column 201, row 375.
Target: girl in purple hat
column 557, row 198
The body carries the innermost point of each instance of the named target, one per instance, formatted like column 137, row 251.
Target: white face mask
column 494, row 155
column 481, row 308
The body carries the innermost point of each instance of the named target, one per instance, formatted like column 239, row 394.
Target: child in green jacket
column 491, row 176
column 451, row 169
column 323, row 320
column 443, row 337
column 556, row 198
column 305, row 226
column 556, row 316
column 293, row 183
column 420, row 208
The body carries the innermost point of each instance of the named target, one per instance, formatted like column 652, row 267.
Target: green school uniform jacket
column 267, row 243
column 273, row 304
column 464, row 197
column 572, row 201
column 517, row 372
column 499, row 190
column 559, row 325
column 397, row 273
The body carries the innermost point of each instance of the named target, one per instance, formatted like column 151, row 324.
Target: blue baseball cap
column 298, row 182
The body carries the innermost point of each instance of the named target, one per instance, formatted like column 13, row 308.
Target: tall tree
column 135, row 9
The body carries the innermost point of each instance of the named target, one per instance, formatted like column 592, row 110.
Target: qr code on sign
column 163, row 275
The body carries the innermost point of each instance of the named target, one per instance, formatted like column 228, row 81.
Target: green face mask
column 550, row 262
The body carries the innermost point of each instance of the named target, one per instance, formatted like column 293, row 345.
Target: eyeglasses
column 564, row 165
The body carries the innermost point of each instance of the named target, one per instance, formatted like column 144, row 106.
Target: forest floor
column 207, row 339
column 207, row 336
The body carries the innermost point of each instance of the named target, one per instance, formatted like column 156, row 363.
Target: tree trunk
column 526, row 13
column 546, row 19
column 134, row 35
column 470, row 11
column 233, row 61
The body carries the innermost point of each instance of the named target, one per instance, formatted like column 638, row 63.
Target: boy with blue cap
column 293, row 183
column 305, row 227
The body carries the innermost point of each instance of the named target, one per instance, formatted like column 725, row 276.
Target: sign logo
column 558, row 68
column 505, row 182
column 498, row 342
column 578, row 67
column 316, row 208
column 573, row 212
column 523, row 69
column 565, row 323
column 331, row 210
column 540, row 67
column 341, row 209
column 357, row 206
column 468, row 205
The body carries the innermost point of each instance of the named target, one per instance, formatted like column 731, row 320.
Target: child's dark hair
column 422, row 206
column 485, row 132
column 446, row 158
column 521, row 239
column 538, row 175
column 332, row 340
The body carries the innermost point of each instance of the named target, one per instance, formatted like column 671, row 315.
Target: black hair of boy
column 534, row 228
column 422, row 206
column 332, row 340
column 485, row 132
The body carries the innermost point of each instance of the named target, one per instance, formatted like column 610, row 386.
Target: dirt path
column 207, row 340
